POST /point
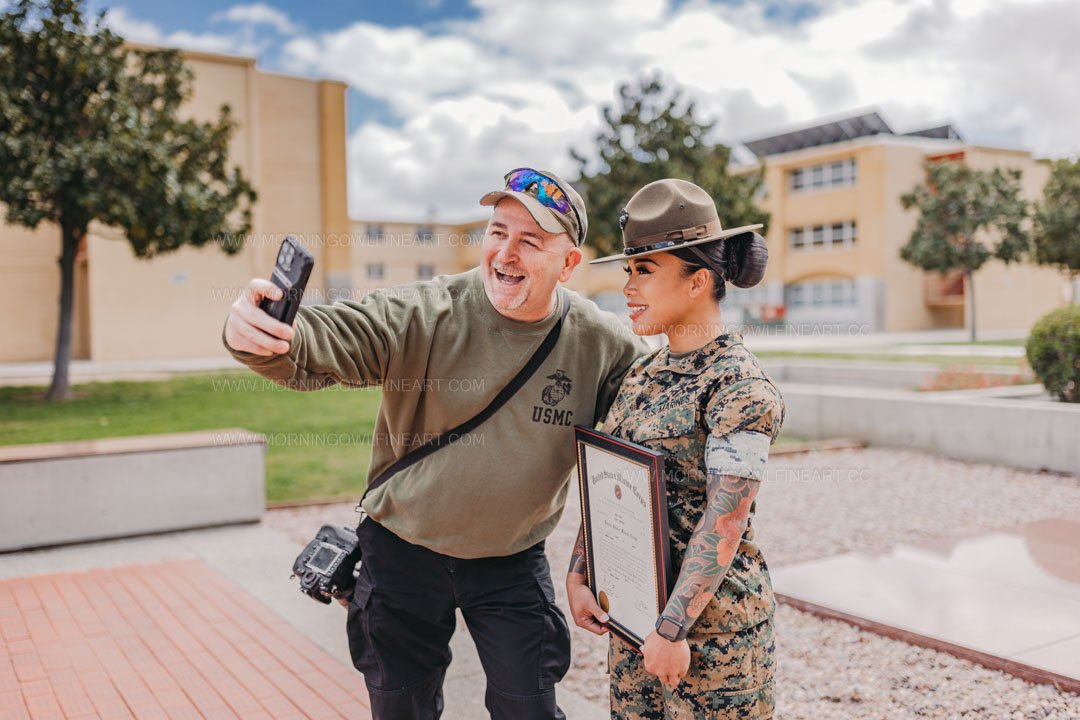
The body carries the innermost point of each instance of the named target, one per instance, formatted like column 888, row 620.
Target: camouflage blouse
column 717, row 396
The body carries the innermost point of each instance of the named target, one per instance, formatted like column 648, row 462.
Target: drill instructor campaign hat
column 667, row 215
column 555, row 205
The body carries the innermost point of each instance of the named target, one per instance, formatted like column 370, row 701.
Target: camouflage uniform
column 717, row 397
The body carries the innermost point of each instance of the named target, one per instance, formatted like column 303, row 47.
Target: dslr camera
column 327, row 566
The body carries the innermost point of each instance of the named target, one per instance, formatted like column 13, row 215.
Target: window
column 376, row 271
column 837, row 294
column 376, row 233
column 425, row 272
column 425, row 234
column 821, row 293
column 818, row 237
column 797, row 179
column 839, row 173
column 798, row 236
column 747, row 296
column 849, row 233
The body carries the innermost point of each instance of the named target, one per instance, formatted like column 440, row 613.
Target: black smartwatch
column 670, row 630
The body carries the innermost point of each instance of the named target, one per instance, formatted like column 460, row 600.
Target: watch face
column 668, row 629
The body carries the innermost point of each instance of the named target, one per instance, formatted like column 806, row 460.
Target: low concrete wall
column 888, row 375
column 59, row 493
column 1021, row 432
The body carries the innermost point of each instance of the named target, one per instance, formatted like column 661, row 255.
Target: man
column 463, row 528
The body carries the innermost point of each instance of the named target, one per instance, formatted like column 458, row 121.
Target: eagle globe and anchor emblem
column 554, row 393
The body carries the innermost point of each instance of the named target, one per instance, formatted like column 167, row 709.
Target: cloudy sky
column 446, row 95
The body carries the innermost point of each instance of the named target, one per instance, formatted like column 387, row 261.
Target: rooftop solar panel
column 824, row 134
column 941, row 132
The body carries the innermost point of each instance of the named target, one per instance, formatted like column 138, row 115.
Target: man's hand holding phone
column 250, row 329
column 262, row 319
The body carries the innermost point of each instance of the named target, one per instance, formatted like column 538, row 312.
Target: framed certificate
column 624, row 517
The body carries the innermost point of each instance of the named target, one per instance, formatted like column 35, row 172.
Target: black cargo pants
column 402, row 616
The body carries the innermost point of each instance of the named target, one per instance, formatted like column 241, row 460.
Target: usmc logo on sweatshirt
column 552, row 395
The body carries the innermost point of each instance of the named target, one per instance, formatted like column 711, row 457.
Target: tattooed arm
column 712, row 547
column 577, row 558
column 585, row 611
column 735, row 464
column 708, row 556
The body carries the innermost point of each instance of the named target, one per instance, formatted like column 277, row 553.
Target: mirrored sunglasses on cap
column 548, row 192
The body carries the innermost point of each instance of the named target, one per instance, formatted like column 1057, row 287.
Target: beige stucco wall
column 905, row 285
column 1013, row 297
column 401, row 251
column 30, row 290
column 333, row 181
column 169, row 307
column 290, row 141
column 775, row 234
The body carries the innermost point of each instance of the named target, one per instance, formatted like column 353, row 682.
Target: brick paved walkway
column 169, row 640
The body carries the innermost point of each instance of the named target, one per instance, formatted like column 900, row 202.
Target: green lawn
column 787, row 441
column 318, row 443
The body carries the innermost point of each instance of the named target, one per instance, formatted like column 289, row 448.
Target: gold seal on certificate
column 624, row 516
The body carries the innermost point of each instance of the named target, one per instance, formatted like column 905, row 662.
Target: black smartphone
column 291, row 272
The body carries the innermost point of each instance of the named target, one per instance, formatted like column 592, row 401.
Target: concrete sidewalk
column 258, row 560
column 81, row 371
column 1008, row 599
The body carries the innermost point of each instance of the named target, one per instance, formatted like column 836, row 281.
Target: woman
column 707, row 404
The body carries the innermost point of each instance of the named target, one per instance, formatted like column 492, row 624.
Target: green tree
column 967, row 217
column 653, row 134
column 90, row 132
column 1056, row 232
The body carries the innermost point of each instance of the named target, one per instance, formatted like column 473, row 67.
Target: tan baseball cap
column 554, row 204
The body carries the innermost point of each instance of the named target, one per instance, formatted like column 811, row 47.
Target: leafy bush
column 1053, row 351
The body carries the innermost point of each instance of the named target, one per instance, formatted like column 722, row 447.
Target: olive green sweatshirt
column 441, row 352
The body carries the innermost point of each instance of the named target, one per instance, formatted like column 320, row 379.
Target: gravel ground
column 819, row 504
column 814, row 505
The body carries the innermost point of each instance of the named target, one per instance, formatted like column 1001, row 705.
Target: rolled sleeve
column 740, row 454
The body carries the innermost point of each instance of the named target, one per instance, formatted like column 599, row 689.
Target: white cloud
column 131, row 28
column 258, row 14
column 122, row 23
column 522, row 82
column 403, row 66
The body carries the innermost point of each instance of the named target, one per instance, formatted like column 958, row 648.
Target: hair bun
column 745, row 258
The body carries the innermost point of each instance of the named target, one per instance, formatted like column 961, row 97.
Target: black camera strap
column 454, row 434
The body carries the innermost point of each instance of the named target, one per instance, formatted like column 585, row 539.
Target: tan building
column 291, row 144
column 837, row 226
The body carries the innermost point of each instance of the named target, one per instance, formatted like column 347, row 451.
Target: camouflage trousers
column 730, row 676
